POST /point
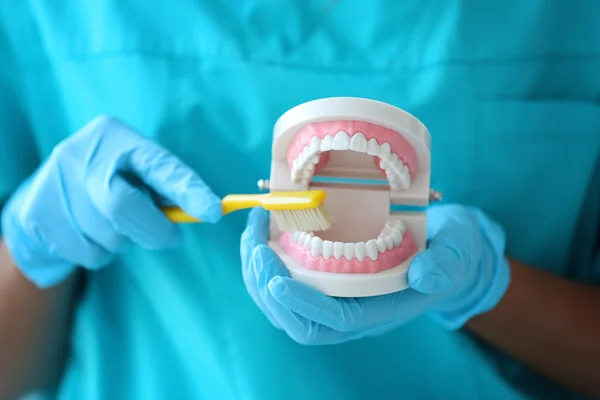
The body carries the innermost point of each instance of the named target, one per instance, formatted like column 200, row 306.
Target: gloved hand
column 84, row 204
column 461, row 274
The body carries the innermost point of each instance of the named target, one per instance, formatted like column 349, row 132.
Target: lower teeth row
column 390, row 237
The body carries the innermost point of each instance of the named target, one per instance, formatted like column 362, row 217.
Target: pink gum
column 388, row 260
column 398, row 144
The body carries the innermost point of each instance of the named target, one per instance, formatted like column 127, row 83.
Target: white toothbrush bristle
column 308, row 220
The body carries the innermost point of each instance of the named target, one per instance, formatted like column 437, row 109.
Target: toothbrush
column 293, row 211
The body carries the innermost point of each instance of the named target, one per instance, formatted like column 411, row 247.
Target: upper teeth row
column 390, row 237
column 304, row 165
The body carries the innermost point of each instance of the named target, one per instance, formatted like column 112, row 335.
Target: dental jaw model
column 385, row 153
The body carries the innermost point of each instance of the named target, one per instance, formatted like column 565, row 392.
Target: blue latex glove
column 79, row 209
column 461, row 274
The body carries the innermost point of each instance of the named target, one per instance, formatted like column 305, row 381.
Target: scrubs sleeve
column 18, row 153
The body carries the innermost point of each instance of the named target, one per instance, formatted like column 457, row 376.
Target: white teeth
column 358, row 142
column 373, row 147
column 381, row 246
column 371, row 249
column 341, row 141
column 396, row 238
column 307, row 241
column 338, row 250
column 300, row 237
column 316, row 246
column 327, row 249
column 327, row 142
column 305, row 152
column 315, row 145
column 360, row 250
column 390, row 237
column 389, row 242
column 303, row 166
column 385, row 151
column 349, row 251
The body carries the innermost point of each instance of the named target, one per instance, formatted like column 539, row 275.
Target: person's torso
column 508, row 90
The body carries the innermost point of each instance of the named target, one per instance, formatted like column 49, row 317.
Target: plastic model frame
column 385, row 153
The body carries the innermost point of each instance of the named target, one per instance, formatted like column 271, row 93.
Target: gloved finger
column 133, row 214
column 304, row 331
column 382, row 329
column 252, row 290
column 265, row 265
column 155, row 166
column 81, row 219
column 255, row 234
column 348, row 314
column 269, row 269
column 448, row 217
column 171, row 178
column 21, row 225
column 94, row 222
column 441, row 267
column 312, row 304
column 95, row 225
column 158, row 168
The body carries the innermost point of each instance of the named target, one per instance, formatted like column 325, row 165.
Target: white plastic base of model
column 347, row 285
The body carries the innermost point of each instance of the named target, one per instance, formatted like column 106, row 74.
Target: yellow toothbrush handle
column 177, row 215
column 232, row 202
column 235, row 202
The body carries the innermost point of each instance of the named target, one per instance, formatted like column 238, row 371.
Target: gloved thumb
column 437, row 269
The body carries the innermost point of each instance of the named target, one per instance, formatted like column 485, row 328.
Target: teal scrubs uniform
column 510, row 91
